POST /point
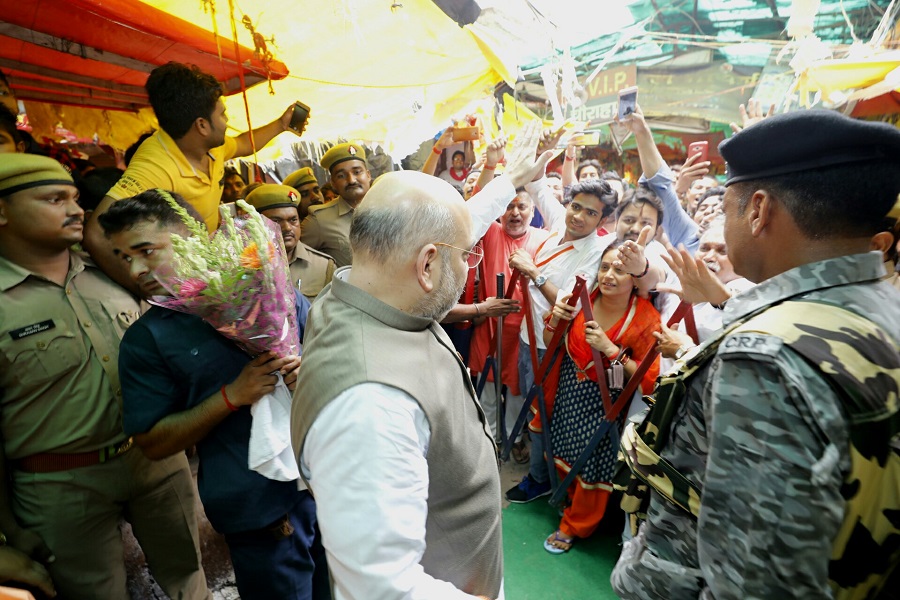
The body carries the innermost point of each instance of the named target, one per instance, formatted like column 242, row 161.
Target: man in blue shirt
column 184, row 384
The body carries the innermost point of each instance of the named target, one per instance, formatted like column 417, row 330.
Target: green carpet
column 532, row 573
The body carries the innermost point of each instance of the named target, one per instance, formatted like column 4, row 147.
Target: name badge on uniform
column 34, row 328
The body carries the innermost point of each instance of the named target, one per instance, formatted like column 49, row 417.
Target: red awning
column 98, row 53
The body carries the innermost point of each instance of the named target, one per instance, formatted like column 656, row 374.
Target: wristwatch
column 540, row 280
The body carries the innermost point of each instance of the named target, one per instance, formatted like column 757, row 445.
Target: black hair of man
column 180, row 94
column 132, row 149
column 460, row 152
column 146, row 206
column 713, row 191
column 232, row 172
column 588, row 163
column 638, row 196
column 8, row 124
column 847, row 200
column 553, row 175
column 600, row 190
column 94, row 185
column 611, row 176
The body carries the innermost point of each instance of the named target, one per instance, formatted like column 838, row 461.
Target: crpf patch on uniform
column 751, row 343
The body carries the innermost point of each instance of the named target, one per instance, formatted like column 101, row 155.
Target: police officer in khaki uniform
column 327, row 228
column 311, row 270
column 67, row 472
column 304, row 181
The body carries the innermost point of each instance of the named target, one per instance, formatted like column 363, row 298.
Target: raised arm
column 434, row 156
column 678, row 224
column 263, row 135
column 522, row 166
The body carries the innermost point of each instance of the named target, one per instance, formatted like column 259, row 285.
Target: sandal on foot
column 520, row 453
column 559, row 538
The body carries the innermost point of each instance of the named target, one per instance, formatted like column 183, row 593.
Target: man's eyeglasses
column 473, row 256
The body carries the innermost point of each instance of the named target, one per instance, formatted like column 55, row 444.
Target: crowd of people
column 755, row 452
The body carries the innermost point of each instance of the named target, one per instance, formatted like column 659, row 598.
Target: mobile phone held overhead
column 627, row 102
column 298, row 119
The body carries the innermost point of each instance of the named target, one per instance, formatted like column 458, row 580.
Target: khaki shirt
column 327, row 228
column 312, row 268
column 59, row 382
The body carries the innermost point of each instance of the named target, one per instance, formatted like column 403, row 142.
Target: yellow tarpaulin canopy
column 368, row 72
column 837, row 75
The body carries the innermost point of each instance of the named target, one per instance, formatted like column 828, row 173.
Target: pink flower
column 191, row 288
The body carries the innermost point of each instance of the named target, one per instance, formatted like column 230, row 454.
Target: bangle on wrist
column 569, row 158
column 228, row 403
column 489, row 167
column 436, row 150
column 646, row 268
column 477, row 312
column 615, row 353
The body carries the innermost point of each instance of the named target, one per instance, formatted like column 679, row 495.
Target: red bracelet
column 230, row 406
column 436, row 150
column 487, row 168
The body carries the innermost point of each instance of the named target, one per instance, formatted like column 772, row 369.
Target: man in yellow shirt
column 187, row 155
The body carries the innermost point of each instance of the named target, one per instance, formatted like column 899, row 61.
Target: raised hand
column 698, row 283
column 691, row 171
column 521, row 165
column 549, row 139
column 630, row 255
column 495, row 151
column 751, row 115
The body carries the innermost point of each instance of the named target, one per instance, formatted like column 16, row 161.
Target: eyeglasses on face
column 473, row 256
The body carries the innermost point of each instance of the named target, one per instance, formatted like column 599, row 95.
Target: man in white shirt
column 406, row 477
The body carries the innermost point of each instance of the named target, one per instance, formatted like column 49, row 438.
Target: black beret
column 805, row 140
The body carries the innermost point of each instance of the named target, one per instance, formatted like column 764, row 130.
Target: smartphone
column 701, row 148
column 586, row 138
column 298, row 119
column 466, row 134
column 627, row 102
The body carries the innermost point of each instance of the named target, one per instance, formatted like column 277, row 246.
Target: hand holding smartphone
column 701, row 148
column 627, row 102
column 298, row 119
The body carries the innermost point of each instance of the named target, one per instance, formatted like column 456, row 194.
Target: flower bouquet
column 238, row 281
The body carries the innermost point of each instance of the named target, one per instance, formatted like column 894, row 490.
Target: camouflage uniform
column 765, row 439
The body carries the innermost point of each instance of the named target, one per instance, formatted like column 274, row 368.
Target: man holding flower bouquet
column 187, row 382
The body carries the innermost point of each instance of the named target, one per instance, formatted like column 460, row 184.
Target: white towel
column 270, row 453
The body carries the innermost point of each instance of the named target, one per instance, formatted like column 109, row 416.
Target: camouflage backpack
column 863, row 366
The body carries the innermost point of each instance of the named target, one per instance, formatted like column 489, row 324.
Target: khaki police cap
column 22, row 171
column 342, row 152
column 300, row 177
column 271, row 195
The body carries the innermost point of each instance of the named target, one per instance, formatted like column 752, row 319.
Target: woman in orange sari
column 623, row 325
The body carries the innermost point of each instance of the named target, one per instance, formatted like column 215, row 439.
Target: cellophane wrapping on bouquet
column 237, row 280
